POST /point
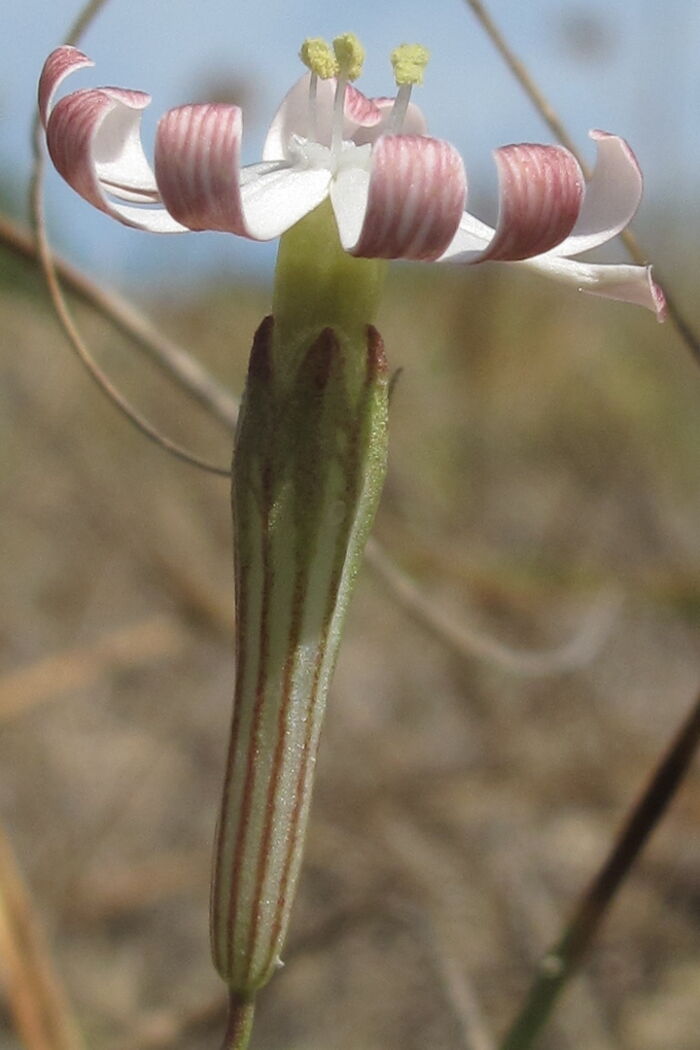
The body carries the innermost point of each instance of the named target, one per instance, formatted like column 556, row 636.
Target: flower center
column 306, row 153
column 344, row 61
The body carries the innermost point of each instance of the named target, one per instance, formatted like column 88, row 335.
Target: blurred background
column 543, row 495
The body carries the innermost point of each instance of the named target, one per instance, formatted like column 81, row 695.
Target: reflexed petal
column 629, row 284
column 612, row 196
column 60, row 64
column 294, row 116
column 93, row 139
column 470, row 241
column 408, row 205
column 203, row 187
column 541, row 189
column 360, row 111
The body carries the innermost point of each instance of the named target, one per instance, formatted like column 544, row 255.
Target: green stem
column 561, row 962
column 240, row 1023
column 317, row 286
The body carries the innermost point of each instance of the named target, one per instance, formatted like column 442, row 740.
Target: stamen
column 338, row 116
column 409, row 62
column 313, row 113
column 317, row 55
column 350, row 56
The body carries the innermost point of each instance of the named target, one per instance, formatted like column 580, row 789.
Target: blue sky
column 628, row 66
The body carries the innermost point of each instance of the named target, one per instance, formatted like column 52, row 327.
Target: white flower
column 396, row 192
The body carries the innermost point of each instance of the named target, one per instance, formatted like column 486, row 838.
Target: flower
column 396, row 192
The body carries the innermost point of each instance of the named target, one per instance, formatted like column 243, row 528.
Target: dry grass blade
column 39, row 1006
column 558, row 129
column 79, row 668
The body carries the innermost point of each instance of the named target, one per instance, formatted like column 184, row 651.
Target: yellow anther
column 409, row 62
column 317, row 55
column 350, row 55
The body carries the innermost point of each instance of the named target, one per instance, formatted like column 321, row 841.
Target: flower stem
column 308, row 469
column 317, row 286
column 560, row 963
column 240, row 1023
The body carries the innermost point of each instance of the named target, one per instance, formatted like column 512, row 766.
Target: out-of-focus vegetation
column 545, row 454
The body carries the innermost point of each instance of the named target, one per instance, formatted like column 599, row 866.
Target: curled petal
column 94, row 142
column 541, row 189
column 540, row 197
column 59, row 65
column 628, row 284
column 203, row 186
column 470, row 241
column 407, row 205
column 612, row 196
column 296, row 116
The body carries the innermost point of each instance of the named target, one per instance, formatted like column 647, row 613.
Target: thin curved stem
column 468, row 641
column 172, row 359
column 76, row 340
column 36, row 203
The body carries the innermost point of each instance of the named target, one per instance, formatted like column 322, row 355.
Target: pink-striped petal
column 407, row 205
column 541, row 190
column 59, row 65
column 295, row 118
column 360, row 111
column 628, row 284
column 202, row 185
column 612, row 196
column 540, row 197
column 414, row 123
column 93, row 140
